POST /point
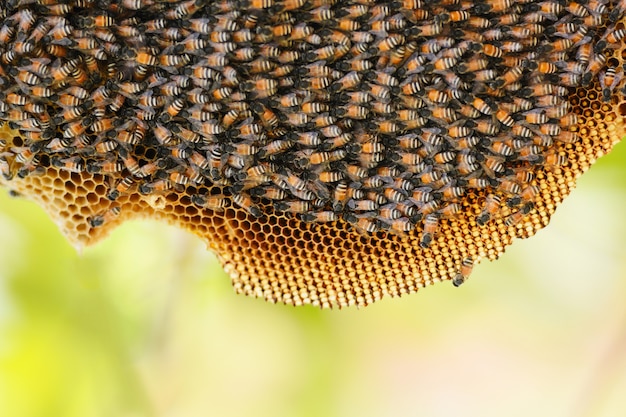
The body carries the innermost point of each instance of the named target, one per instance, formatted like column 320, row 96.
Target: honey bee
column 319, row 217
column 609, row 80
column 212, row 127
column 444, row 157
column 555, row 160
column 526, row 196
column 388, row 213
column 430, row 227
column 296, row 207
column 482, row 106
column 362, row 224
column 121, row 187
column 394, row 195
column 211, row 202
column 71, row 164
column 132, row 4
column 5, row 168
column 105, row 217
column 596, row 63
column 362, row 205
column 518, row 216
column 77, row 128
column 492, row 51
column 484, row 126
column 466, row 269
column 614, row 36
column 159, row 185
column 491, row 207
column 457, row 131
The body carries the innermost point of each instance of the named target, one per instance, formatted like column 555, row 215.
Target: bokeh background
column 146, row 324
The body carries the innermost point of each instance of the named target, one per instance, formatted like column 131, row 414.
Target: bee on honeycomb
column 330, row 152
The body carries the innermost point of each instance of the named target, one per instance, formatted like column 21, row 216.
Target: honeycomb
column 280, row 257
column 283, row 259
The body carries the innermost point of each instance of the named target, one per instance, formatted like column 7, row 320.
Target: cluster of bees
column 382, row 113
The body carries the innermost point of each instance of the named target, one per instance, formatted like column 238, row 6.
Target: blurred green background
column 146, row 324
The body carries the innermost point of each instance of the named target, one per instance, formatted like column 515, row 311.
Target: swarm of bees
column 385, row 116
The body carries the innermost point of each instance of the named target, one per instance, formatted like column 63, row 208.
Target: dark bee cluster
column 384, row 114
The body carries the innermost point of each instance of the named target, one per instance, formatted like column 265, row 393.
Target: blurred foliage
column 146, row 324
